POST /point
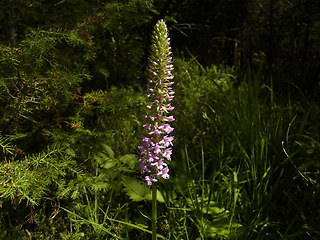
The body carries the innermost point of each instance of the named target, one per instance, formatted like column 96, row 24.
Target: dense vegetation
column 245, row 162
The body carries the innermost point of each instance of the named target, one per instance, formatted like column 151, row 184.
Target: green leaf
column 138, row 191
column 108, row 150
column 129, row 159
column 108, row 164
column 222, row 227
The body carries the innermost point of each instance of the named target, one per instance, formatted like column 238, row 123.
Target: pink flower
column 145, row 116
column 148, row 127
column 157, row 146
column 167, row 153
column 169, row 107
column 167, row 141
column 164, row 173
column 155, row 132
column 145, row 141
column 170, row 119
column 166, row 128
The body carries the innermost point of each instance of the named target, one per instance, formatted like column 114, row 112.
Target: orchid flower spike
column 156, row 145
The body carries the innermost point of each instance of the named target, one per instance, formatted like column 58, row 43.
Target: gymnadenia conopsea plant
column 156, row 145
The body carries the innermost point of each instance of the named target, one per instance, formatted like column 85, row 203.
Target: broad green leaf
column 108, row 164
column 129, row 159
column 135, row 189
column 138, row 191
column 222, row 227
column 108, row 150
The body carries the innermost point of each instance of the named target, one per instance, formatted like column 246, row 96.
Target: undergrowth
column 244, row 165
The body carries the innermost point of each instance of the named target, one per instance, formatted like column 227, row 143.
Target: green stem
column 154, row 212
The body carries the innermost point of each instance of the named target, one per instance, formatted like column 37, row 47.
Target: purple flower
column 142, row 149
column 150, row 179
column 157, row 146
column 155, row 132
column 167, row 153
column 148, row 127
column 164, row 173
column 168, row 107
column 145, row 141
column 167, row 141
column 166, row 128
column 170, row 119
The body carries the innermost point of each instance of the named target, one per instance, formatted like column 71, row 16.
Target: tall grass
column 245, row 150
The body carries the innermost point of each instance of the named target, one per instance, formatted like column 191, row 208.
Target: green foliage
column 96, row 196
column 137, row 191
column 37, row 88
column 121, row 31
column 244, row 135
column 6, row 145
column 48, row 98
column 30, row 179
column 27, row 185
column 195, row 205
column 197, row 89
column 245, row 162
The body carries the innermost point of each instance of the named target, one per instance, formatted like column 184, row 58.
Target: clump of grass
column 259, row 153
column 256, row 128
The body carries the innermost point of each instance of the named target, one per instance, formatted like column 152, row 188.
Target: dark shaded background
column 281, row 36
